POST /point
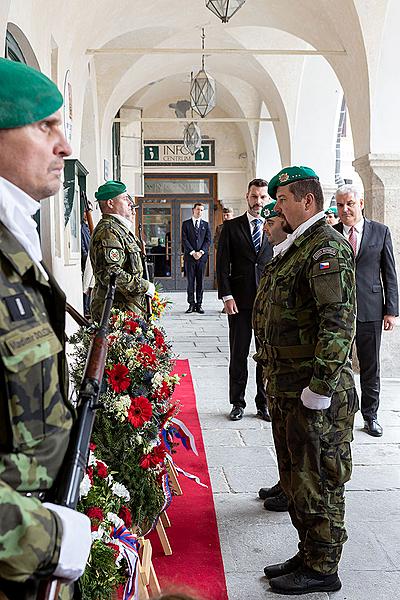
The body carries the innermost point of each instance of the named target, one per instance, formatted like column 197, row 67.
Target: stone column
column 380, row 174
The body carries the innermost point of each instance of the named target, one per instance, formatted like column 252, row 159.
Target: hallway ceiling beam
column 199, row 119
column 209, row 51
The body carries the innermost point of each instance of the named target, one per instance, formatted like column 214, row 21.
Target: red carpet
column 196, row 561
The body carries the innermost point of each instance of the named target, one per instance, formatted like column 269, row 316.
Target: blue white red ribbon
column 129, row 546
column 185, row 473
column 182, row 432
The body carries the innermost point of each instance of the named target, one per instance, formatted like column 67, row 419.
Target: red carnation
column 92, row 446
column 89, row 471
column 126, row 516
column 118, row 378
column 102, row 470
column 163, row 392
column 147, row 356
column 139, row 411
column 95, row 514
column 131, row 326
column 159, row 340
column 145, row 461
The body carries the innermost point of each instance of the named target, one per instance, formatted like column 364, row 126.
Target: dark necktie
column 196, row 228
column 353, row 240
column 256, row 235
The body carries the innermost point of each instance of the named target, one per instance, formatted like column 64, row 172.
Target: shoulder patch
column 114, row 255
column 322, row 251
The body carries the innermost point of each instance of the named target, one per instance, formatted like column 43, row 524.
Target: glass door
column 157, row 229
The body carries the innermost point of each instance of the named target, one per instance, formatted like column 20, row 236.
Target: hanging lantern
column 224, row 9
column 192, row 137
column 202, row 89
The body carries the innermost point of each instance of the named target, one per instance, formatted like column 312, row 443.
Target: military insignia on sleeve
column 114, row 255
column 323, row 266
column 322, row 251
column 283, row 177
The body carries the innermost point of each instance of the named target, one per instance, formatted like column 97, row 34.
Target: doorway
column 168, row 201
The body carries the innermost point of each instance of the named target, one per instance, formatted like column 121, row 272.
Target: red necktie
column 353, row 239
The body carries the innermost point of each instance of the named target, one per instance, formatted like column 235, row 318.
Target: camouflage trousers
column 314, row 461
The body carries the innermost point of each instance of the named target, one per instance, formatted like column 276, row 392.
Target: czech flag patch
column 324, row 265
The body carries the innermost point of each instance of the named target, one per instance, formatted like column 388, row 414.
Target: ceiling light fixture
column 224, row 9
column 192, row 137
column 202, row 88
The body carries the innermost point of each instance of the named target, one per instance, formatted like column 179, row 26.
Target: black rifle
column 73, row 470
column 145, row 269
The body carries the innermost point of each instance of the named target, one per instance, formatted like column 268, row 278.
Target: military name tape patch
column 114, row 255
column 24, row 340
column 322, row 251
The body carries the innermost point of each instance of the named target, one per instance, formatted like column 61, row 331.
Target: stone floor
column 241, row 459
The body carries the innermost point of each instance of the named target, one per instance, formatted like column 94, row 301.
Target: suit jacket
column 377, row 289
column 239, row 267
column 189, row 241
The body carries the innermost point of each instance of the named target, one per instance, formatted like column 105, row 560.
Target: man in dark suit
column 377, row 294
column 243, row 251
column 196, row 240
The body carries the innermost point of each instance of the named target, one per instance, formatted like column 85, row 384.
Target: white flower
column 98, row 535
column 114, row 519
column 121, row 407
column 121, row 491
column 92, row 459
column 157, row 380
column 85, row 486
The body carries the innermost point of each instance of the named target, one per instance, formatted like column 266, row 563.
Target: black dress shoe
column 199, row 309
column 372, row 427
column 284, row 568
column 277, row 503
column 192, row 308
column 265, row 493
column 305, row 581
column 236, row 413
column 262, row 413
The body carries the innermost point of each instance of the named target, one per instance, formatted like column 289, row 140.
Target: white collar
column 358, row 227
column 128, row 224
column 285, row 245
column 16, row 212
column 251, row 218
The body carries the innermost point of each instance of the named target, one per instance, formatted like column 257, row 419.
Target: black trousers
column 195, row 275
column 368, row 344
column 240, row 333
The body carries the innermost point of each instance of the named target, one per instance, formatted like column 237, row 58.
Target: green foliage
column 101, row 576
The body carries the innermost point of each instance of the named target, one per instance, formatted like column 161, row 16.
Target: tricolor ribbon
column 185, row 473
column 129, row 546
column 182, row 432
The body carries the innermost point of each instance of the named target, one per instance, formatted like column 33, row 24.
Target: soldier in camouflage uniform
column 114, row 248
column 36, row 540
column 304, row 317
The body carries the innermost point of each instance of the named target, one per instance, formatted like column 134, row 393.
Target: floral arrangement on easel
column 130, row 435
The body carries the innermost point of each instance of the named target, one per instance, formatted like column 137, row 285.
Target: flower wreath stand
column 147, row 580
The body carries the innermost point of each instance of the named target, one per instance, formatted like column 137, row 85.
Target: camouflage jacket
column 35, row 418
column 304, row 315
column 115, row 249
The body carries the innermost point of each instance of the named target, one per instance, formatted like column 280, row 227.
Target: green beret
column 332, row 210
column 26, row 95
column 109, row 190
column 267, row 212
column 290, row 175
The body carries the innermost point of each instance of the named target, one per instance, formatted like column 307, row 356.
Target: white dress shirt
column 358, row 229
column 16, row 212
column 194, row 225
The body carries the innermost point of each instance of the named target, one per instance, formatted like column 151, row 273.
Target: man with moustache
column 37, row 540
column 377, row 295
column 304, row 317
column 243, row 252
column 114, row 248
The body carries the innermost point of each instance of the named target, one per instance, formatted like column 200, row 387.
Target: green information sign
column 165, row 153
